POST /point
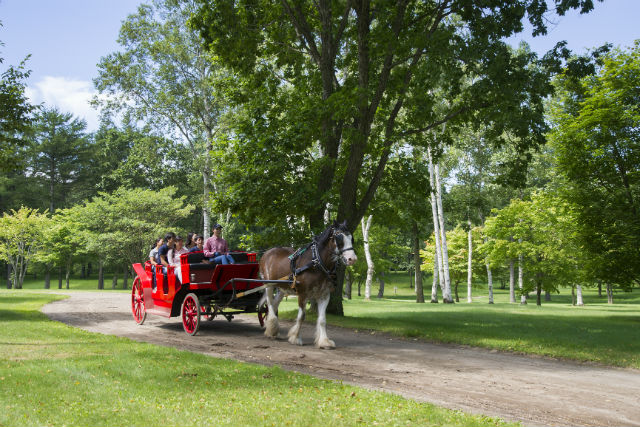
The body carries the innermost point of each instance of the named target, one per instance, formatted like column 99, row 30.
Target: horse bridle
column 341, row 251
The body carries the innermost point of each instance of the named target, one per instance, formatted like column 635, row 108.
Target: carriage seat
column 195, row 260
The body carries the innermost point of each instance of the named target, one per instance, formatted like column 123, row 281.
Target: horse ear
column 344, row 225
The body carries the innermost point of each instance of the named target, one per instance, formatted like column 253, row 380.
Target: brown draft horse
column 313, row 267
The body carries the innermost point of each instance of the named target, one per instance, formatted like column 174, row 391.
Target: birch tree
column 370, row 266
column 164, row 76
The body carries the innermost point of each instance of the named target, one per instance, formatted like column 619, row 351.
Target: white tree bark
column 434, row 285
column 367, row 253
column 579, row 301
column 469, row 271
column 512, row 280
column 446, row 294
column 490, row 282
column 523, row 298
column 436, row 227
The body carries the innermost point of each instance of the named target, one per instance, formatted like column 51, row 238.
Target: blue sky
column 67, row 38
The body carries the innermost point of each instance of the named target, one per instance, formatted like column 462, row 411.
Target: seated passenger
column 163, row 259
column 199, row 244
column 152, row 259
column 174, row 257
column 216, row 249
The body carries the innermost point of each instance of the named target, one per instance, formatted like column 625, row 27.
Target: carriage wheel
column 137, row 302
column 190, row 313
column 263, row 310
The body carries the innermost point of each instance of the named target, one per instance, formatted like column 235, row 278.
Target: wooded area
column 447, row 151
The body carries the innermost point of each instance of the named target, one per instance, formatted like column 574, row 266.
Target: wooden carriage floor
column 532, row 390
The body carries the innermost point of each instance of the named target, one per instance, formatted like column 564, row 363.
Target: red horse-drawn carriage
column 207, row 290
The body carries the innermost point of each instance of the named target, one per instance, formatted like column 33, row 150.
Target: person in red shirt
column 216, row 248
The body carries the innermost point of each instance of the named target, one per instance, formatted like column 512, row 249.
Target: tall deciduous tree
column 596, row 140
column 353, row 78
column 21, row 237
column 164, row 76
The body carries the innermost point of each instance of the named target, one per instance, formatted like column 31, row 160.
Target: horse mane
column 322, row 238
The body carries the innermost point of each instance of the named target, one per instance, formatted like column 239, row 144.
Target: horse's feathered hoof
column 295, row 340
column 326, row 344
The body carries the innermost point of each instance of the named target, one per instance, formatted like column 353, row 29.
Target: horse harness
column 316, row 262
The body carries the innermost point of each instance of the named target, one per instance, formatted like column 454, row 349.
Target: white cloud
column 68, row 95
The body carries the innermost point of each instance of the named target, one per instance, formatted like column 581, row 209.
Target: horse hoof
column 295, row 340
column 326, row 344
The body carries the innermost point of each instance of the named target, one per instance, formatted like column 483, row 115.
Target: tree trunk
column 47, row 276
column 89, row 269
column 489, row 282
column 381, row 282
column 456, row 291
column 523, row 297
column 446, row 294
column 370, row 267
column 114, row 282
column 609, row 294
column 547, row 296
column 416, row 264
column 469, row 272
column 335, row 300
column 436, row 226
column 100, row 274
column 125, row 280
column 512, row 280
column 67, row 273
column 539, row 295
column 600, row 289
column 579, row 301
column 9, row 282
column 348, row 287
column 434, row 285
column 59, row 277
column 83, row 272
column 573, row 295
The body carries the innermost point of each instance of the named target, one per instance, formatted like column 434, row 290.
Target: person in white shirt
column 174, row 257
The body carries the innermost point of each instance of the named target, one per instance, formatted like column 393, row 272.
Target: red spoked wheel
column 190, row 313
column 137, row 302
column 263, row 311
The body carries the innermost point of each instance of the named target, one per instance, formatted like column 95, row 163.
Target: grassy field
column 52, row 374
column 76, row 283
column 597, row 332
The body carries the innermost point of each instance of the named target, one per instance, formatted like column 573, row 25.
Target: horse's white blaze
column 349, row 256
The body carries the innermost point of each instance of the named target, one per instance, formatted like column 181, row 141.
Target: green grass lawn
column 76, row 283
column 52, row 374
column 597, row 332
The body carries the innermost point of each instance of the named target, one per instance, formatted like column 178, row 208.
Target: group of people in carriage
column 166, row 251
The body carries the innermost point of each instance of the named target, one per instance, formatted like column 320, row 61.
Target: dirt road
column 535, row 391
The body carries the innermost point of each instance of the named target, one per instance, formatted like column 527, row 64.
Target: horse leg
column 322, row 341
column 271, row 323
column 294, row 332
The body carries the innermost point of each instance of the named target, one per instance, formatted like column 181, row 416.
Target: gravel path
column 534, row 391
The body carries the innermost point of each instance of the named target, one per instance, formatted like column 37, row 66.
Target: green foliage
column 458, row 247
column 122, row 226
column 16, row 116
column 596, row 139
column 22, row 235
column 542, row 231
column 60, row 159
